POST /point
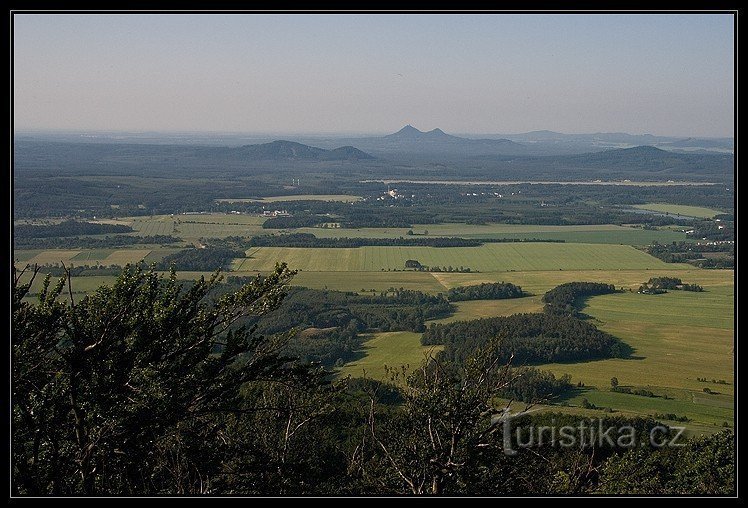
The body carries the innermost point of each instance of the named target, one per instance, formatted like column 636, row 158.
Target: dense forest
column 562, row 299
column 529, row 384
column 712, row 230
column 485, row 291
column 153, row 387
column 308, row 240
column 527, row 338
column 67, row 228
column 206, row 259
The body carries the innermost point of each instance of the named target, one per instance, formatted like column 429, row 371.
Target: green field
column 676, row 337
column 391, row 349
column 488, row 257
column 605, row 233
column 344, row 198
column 80, row 256
column 379, row 281
column 193, row 227
column 539, row 282
column 478, row 309
column 687, row 211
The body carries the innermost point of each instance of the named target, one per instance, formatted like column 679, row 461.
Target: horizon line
column 51, row 130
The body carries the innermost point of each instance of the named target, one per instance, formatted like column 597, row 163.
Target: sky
column 664, row 74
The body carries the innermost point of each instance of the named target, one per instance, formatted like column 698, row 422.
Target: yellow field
column 52, row 256
column 491, row 257
column 124, row 256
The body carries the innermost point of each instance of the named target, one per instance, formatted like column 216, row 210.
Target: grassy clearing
column 344, row 198
column 392, row 349
column 486, row 258
column 606, row 233
column 477, row 309
column 686, row 211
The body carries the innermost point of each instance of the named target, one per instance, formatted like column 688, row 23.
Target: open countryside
column 486, row 258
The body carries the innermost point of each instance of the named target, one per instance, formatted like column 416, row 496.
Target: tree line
column 309, row 240
column 561, row 300
column 91, row 242
column 67, row 228
column 693, row 253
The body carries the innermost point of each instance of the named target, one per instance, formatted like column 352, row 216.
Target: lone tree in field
column 614, row 382
column 412, row 263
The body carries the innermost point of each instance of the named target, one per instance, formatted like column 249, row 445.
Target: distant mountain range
column 605, row 140
column 284, row 150
column 410, row 140
column 635, row 163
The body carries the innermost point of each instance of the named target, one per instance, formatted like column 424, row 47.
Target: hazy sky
column 498, row 73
